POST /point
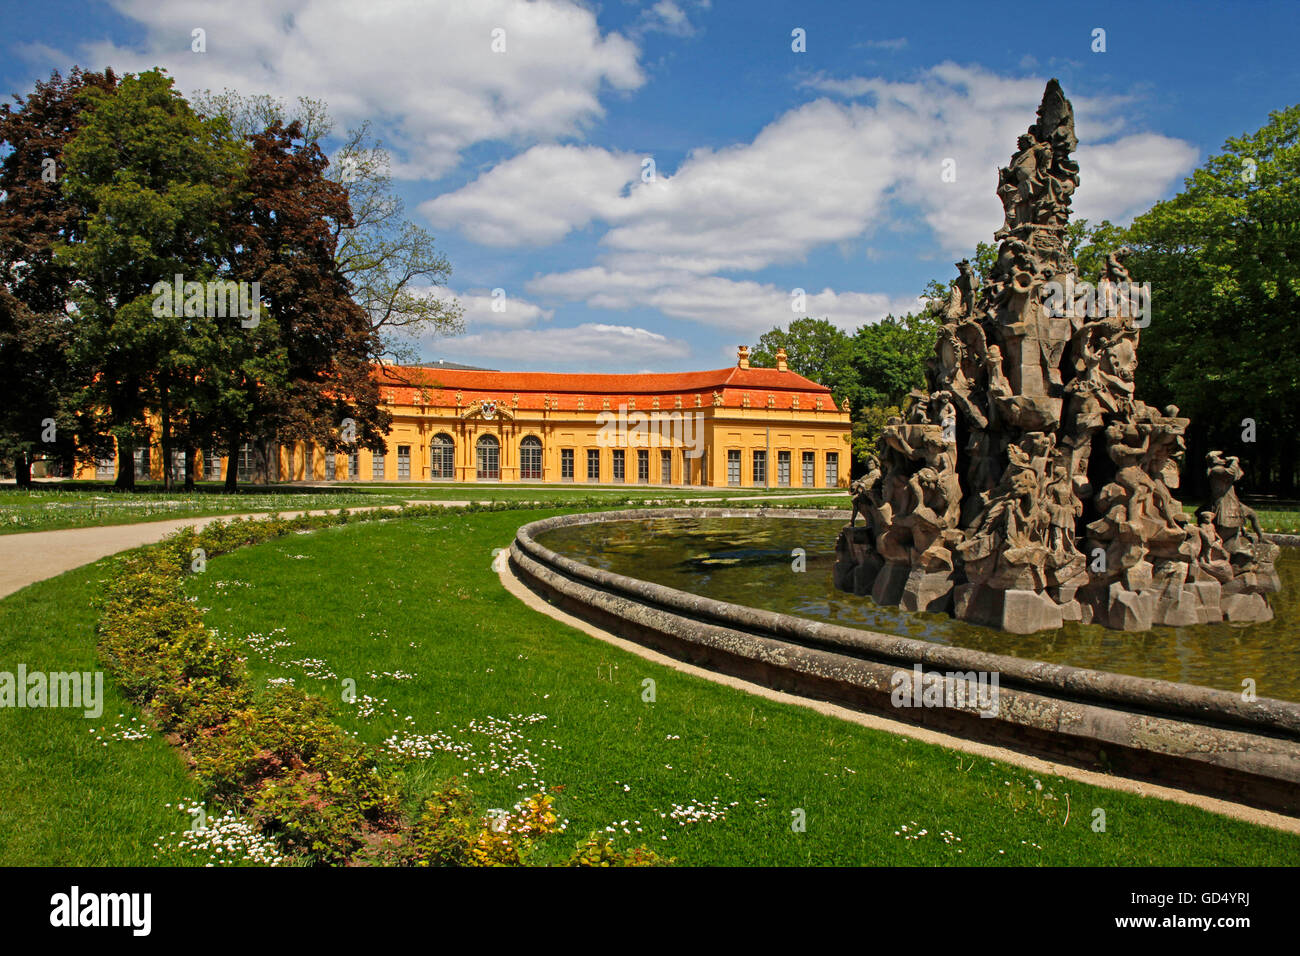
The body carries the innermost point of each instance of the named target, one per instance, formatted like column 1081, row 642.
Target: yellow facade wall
column 722, row 430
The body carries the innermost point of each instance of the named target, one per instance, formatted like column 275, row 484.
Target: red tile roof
column 564, row 390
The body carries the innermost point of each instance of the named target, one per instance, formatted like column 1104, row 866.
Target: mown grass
column 491, row 491
column 418, row 597
column 66, row 799
column 358, row 599
column 51, row 507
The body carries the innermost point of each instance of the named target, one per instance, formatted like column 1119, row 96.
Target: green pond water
column 748, row 561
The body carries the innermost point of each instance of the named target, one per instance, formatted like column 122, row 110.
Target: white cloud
column 1115, row 169
column 481, row 308
column 805, row 180
column 825, row 172
column 747, row 307
column 973, row 117
column 537, row 197
column 666, row 16
column 591, row 346
column 422, row 70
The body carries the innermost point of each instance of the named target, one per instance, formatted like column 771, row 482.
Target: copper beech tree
column 305, row 369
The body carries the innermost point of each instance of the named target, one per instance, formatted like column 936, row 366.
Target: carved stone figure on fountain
column 1250, row 554
column 866, row 492
column 1060, row 502
column 1212, row 556
column 983, row 469
column 961, row 296
column 1237, row 524
column 1063, row 511
column 938, row 509
column 1165, row 445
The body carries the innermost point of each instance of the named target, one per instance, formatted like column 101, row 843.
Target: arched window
column 488, row 458
column 530, row 458
column 442, row 457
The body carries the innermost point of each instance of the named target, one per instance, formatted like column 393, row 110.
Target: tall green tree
column 393, row 266
column 815, row 349
column 306, row 367
column 35, row 327
column 1223, row 260
column 151, row 179
column 889, row 362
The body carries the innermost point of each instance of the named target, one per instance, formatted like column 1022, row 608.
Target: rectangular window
column 593, row 464
column 809, row 469
column 354, row 466
column 178, row 465
column 403, row 462
column 244, row 468
column 618, row 465
column 832, row 469
column 643, row 466
column 377, row 467
column 733, row 467
column 783, row 469
column 105, row 469
column 142, row 464
column 760, row 468
column 330, row 459
column 212, row 466
column 666, row 467
column 686, row 467
column 566, row 464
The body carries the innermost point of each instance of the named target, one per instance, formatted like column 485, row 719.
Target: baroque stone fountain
column 1029, row 486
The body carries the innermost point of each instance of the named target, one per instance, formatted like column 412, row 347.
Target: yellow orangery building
column 738, row 426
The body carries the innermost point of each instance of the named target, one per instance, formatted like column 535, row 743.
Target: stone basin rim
column 1160, row 697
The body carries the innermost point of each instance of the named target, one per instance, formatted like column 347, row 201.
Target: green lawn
column 49, row 507
column 52, row 507
column 448, row 664
column 82, row 504
column 491, row 491
column 72, row 791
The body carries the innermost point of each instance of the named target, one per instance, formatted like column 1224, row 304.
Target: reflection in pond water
column 750, row 561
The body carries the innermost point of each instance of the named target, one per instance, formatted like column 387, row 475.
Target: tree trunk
column 190, row 452
column 125, row 448
column 23, row 470
column 1195, row 489
column 1259, row 470
column 232, row 464
column 125, row 466
column 165, row 436
column 1286, row 477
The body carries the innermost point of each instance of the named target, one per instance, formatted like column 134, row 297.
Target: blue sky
column 774, row 170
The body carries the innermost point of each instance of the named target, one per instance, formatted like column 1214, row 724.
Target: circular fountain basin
column 753, row 563
column 748, row 593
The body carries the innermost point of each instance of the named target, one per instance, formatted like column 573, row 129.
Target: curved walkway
column 31, row 556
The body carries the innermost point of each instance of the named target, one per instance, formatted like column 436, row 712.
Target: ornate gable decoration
column 488, row 410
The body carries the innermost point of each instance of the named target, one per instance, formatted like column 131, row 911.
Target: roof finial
column 781, row 365
column 742, row 357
